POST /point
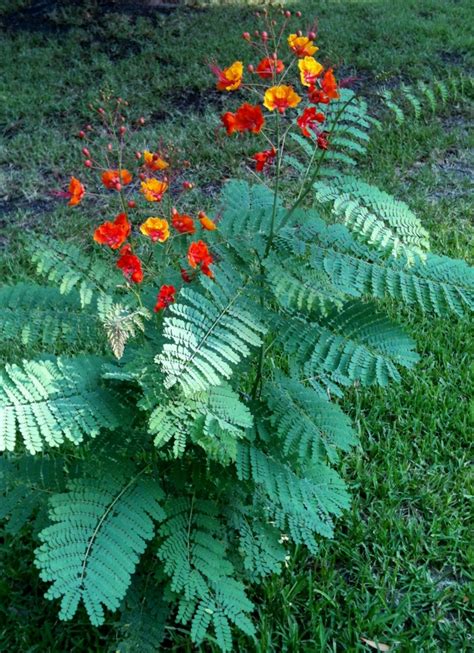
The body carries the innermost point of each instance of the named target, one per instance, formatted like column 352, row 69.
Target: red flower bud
column 85, row 152
column 138, row 155
column 118, row 186
column 122, row 130
column 274, row 56
column 298, row 14
column 131, row 204
column 110, row 147
column 142, row 176
column 287, row 14
column 82, row 134
column 311, row 35
column 246, row 36
column 299, row 33
column 257, row 33
column 264, row 36
column 251, row 68
column 141, row 120
column 187, row 185
column 89, row 128
column 88, row 163
column 101, row 111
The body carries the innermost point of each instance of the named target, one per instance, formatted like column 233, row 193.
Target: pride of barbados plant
column 176, row 426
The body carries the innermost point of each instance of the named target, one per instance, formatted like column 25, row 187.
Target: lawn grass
column 399, row 570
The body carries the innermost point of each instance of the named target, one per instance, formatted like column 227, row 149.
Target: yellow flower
column 154, row 162
column 302, row 46
column 310, row 69
column 280, row 98
column 156, row 228
column 153, row 189
column 206, row 222
column 230, row 78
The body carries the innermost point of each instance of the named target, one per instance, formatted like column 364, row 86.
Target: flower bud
column 264, row 36
column 298, row 14
column 187, row 185
column 287, row 14
column 141, row 120
column 122, row 130
column 131, row 204
column 142, row 176
column 118, row 186
column 82, row 134
column 311, row 35
column 257, row 14
column 246, row 36
column 251, row 68
column 299, row 33
column 274, row 22
column 110, row 147
column 85, row 152
column 88, row 163
column 89, row 128
column 257, row 33
column 101, row 111
column 274, row 56
column 138, row 155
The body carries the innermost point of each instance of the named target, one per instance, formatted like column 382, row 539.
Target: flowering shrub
column 184, row 398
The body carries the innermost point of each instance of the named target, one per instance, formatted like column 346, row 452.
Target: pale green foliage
column 210, row 331
column 52, row 400
column 120, row 323
column 195, row 557
column 100, row 528
column 33, row 315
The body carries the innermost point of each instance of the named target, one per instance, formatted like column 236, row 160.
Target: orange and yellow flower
column 166, row 296
column 76, row 191
column 113, row 234
column 247, row 118
column 130, row 265
column 154, row 189
column 310, row 69
column 114, row 179
column 302, row 46
column 281, row 98
column 199, row 256
column 206, row 222
column 230, row 78
column 156, row 228
column 269, row 67
column 154, row 161
column 183, row 224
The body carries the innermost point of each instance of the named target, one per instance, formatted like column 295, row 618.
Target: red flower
column 329, row 85
column 165, row 297
column 76, row 191
column 113, row 178
column 264, row 158
column 113, row 234
column 308, row 120
column 199, row 256
column 247, row 118
column 185, row 276
column 316, row 96
column 130, row 265
column 184, row 224
column 268, row 67
column 322, row 140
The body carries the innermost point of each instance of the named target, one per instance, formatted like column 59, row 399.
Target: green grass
column 400, row 568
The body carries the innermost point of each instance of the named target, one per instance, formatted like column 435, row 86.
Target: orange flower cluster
column 318, row 86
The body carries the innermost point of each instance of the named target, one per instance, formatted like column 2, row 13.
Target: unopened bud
column 257, row 14
column 82, row 134
column 251, row 68
column 299, row 33
column 88, row 163
column 85, row 152
column 187, row 185
column 122, row 130
column 257, row 33
column 101, row 111
column 274, row 23
column 141, row 120
column 118, row 186
column 89, row 128
column 311, row 35
column 287, row 13
column 298, row 14
column 138, row 155
column 264, row 36
column 110, row 147
column 131, row 204
column 246, row 36
column 274, row 56
column 142, row 176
